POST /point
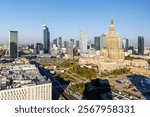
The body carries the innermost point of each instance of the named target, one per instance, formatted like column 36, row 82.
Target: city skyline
column 65, row 18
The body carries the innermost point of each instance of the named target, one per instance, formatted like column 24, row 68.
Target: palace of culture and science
column 112, row 50
column 112, row 56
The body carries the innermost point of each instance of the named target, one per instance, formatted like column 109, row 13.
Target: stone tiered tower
column 112, row 50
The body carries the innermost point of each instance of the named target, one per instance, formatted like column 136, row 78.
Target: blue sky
column 66, row 17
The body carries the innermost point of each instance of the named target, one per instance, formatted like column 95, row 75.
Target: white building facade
column 35, row 92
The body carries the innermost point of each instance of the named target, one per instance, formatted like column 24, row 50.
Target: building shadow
column 98, row 89
column 59, row 85
column 141, row 83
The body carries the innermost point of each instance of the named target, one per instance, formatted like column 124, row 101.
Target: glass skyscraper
column 97, row 43
column 13, row 45
column 83, row 42
column 60, row 42
column 72, row 40
column 65, row 44
column 125, row 44
column 46, row 39
column 141, row 45
column 77, row 43
column 102, row 41
column 55, row 41
column 69, row 50
column 39, row 47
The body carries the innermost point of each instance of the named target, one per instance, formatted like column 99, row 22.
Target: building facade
column 55, row 42
column 97, row 43
column 83, row 42
column 60, row 42
column 46, row 39
column 141, row 45
column 77, row 43
column 13, row 45
column 72, row 41
column 102, row 41
column 112, row 50
column 39, row 47
column 69, row 50
column 35, row 92
column 125, row 44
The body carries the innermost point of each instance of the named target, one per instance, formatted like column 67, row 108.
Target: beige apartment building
column 33, row 92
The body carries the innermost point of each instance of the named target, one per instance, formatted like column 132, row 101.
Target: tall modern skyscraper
column 13, row 45
column 69, row 50
column 72, row 41
column 97, row 43
column 46, row 39
column 112, row 50
column 60, row 42
column 65, row 44
column 77, row 43
column 83, row 42
column 102, row 41
column 39, row 47
column 55, row 41
column 125, row 44
column 141, row 45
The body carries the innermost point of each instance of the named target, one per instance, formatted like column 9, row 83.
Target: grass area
column 88, row 73
column 117, row 72
column 79, row 88
column 76, row 75
column 65, row 77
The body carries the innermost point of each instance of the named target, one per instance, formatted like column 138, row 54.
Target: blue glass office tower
column 97, row 43
column 141, row 45
column 77, row 43
column 125, row 44
column 39, row 46
column 60, row 42
column 13, row 45
column 55, row 41
column 46, row 39
column 102, row 41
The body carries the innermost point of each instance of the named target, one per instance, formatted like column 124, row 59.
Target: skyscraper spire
column 112, row 20
column 112, row 26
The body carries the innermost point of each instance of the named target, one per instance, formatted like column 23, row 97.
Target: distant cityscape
column 106, row 68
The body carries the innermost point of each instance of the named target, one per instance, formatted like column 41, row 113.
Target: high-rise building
column 69, row 50
column 102, row 41
column 65, row 44
column 112, row 50
column 31, row 46
column 141, row 45
column 60, row 42
column 55, row 41
column 125, row 44
column 46, row 39
column 39, row 47
column 77, row 43
column 72, row 41
column 97, row 43
column 13, row 45
column 83, row 42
